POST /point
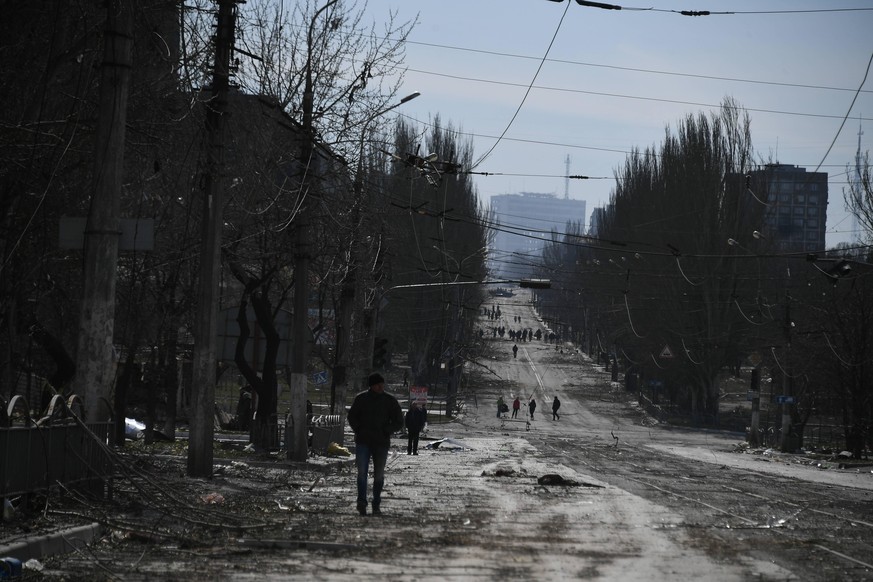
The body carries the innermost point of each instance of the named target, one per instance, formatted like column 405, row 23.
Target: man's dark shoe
column 377, row 511
column 362, row 509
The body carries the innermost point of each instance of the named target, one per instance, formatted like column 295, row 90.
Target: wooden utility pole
column 205, row 326
column 95, row 357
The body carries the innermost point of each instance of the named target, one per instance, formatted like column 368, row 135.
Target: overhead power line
column 633, row 69
column 605, row 6
column 619, row 95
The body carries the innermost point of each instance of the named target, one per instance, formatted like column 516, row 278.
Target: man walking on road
column 516, row 405
column 556, row 404
column 373, row 416
column 532, row 406
column 515, row 350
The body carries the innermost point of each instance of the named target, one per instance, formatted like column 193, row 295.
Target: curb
column 59, row 542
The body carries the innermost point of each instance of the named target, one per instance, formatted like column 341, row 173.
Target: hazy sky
column 614, row 80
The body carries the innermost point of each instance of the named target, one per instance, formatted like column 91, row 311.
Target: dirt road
column 604, row 493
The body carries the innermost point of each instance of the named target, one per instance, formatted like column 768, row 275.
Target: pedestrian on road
column 515, row 350
column 532, row 406
column 501, row 406
column 374, row 415
column 516, row 405
column 556, row 404
column 416, row 419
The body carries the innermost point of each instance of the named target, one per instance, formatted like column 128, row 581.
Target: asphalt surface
column 604, row 493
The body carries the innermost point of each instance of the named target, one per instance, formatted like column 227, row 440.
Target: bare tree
column 859, row 196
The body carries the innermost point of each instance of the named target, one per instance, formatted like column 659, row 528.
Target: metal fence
column 36, row 456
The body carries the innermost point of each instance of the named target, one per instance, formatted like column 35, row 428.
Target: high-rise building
column 525, row 222
column 797, row 206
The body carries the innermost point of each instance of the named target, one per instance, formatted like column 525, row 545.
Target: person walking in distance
column 373, row 416
column 532, row 406
column 515, row 350
column 516, row 405
column 416, row 419
column 556, row 404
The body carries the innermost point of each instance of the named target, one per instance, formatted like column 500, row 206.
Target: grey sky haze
column 614, row 80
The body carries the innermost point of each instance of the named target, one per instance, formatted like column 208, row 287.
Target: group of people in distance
column 531, row 407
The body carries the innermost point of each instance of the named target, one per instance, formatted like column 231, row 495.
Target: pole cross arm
column 528, row 283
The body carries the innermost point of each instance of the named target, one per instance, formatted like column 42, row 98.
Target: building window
column 812, row 223
column 812, row 198
column 786, row 198
column 812, row 211
column 799, row 211
column 799, row 199
column 798, row 223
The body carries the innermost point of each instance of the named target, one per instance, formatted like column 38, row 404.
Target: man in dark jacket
column 416, row 418
column 373, row 416
column 556, row 404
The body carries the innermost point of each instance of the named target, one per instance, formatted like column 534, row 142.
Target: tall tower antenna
column 567, row 177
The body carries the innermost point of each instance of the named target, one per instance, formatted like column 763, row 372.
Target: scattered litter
column 335, row 450
column 133, row 429
column 34, row 564
column 554, row 479
column 212, row 499
column 285, row 507
column 10, row 568
column 8, row 510
column 447, row 444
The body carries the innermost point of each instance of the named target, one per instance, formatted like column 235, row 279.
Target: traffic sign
column 785, row 400
column 667, row 353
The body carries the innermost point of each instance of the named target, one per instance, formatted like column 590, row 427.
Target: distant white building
column 525, row 221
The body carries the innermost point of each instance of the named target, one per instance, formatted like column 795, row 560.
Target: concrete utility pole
column 755, row 424
column 787, row 443
column 205, row 326
column 95, row 357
